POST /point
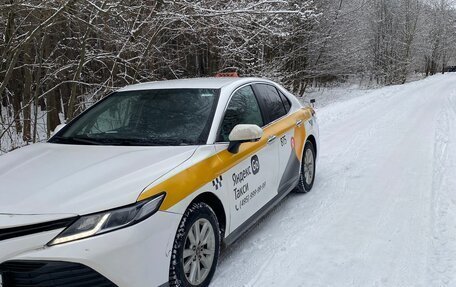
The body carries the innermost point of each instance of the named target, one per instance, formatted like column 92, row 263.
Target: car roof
column 196, row 83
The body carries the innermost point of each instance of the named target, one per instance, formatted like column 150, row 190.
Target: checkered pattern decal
column 217, row 182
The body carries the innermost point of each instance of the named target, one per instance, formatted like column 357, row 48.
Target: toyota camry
column 146, row 186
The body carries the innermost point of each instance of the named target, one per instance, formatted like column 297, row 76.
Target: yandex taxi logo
column 255, row 163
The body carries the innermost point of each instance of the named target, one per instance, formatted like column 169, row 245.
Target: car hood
column 68, row 180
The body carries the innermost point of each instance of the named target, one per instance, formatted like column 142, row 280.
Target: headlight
column 103, row 222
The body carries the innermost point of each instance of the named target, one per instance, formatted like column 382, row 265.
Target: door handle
column 271, row 139
column 298, row 123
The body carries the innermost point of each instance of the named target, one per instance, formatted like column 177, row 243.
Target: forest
column 58, row 57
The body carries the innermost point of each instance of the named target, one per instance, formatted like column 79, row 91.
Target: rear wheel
column 307, row 173
column 196, row 248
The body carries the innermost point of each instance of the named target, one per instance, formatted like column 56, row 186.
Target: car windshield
column 151, row 117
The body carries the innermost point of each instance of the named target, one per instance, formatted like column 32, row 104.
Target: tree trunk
column 27, row 96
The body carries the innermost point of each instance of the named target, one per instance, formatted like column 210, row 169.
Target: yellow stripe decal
column 191, row 179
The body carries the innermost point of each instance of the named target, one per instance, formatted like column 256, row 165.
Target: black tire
column 304, row 186
column 195, row 213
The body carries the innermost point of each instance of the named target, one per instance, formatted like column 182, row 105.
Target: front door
column 251, row 174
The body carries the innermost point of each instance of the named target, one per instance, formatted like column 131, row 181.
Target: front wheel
column 307, row 172
column 196, row 248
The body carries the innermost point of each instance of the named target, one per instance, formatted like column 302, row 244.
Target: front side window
column 150, row 117
column 242, row 109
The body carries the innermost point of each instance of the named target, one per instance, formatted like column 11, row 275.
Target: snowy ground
column 383, row 208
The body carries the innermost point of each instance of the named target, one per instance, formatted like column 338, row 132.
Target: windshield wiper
column 120, row 141
column 144, row 142
column 151, row 142
column 70, row 140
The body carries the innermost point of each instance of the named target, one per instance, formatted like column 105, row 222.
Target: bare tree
column 59, row 57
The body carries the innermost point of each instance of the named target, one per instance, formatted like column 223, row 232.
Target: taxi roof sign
column 227, row 75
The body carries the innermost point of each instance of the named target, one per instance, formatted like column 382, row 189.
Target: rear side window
column 272, row 102
column 242, row 109
column 285, row 100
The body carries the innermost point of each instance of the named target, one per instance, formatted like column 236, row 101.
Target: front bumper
column 136, row 256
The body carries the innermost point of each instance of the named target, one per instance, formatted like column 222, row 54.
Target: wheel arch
column 312, row 139
column 217, row 206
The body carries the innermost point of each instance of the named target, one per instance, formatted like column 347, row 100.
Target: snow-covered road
column 383, row 208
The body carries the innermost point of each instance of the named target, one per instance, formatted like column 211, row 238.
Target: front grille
column 50, row 274
column 19, row 231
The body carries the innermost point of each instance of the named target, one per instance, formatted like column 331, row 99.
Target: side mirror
column 312, row 102
column 242, row 134
column 57, row 129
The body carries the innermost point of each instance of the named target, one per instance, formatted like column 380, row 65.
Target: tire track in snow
column 443, row 257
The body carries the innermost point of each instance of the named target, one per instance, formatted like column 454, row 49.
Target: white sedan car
column 145, row 187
